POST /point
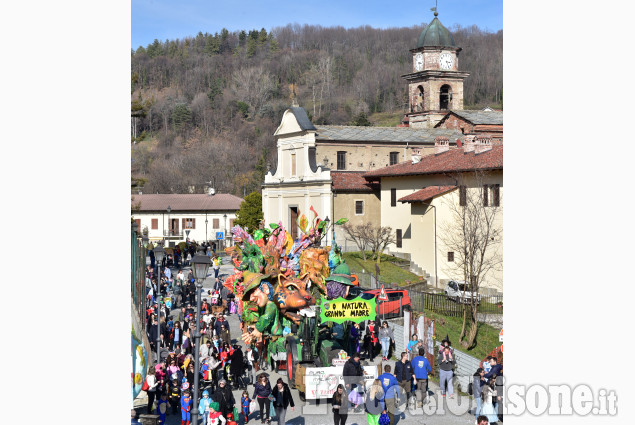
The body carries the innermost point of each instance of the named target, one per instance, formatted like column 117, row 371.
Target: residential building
column 178, row 217
column 420, row 198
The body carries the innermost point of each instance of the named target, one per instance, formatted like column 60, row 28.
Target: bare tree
column 473, row 232
column 253, row 85
column 358, row 234
column 378, row 238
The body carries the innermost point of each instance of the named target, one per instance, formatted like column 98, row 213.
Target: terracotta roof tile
column 187, row 202
column 427, row 193
column 451, row 161
column 350, row 181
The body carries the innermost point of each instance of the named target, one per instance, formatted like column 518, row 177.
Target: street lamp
column 200, row 266
column 225, row 217
column 159, row 252
column 169, row 223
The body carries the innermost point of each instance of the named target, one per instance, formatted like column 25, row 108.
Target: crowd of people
column 224, row 367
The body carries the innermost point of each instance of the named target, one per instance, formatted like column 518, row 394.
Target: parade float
column 297, row 303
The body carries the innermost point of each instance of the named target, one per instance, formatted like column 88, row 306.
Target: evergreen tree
column 251, row 47
column 250, row 213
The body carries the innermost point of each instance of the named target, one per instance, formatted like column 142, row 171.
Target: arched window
column 419, row 105
column 445, row 98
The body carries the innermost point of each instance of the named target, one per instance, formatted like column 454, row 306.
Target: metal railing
column 137, row 277
column 424, row 301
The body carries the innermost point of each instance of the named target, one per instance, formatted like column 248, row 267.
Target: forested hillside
column 205, row 108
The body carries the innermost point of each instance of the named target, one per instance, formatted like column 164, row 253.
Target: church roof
column 435, row 34
column 302, row 118
column 382, row 134
column 481, row 117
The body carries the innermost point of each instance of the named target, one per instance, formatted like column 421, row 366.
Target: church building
column 324, row 166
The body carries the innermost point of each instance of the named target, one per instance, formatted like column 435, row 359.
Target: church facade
column 334, row 169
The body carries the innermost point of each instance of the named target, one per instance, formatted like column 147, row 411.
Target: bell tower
column 435, row 85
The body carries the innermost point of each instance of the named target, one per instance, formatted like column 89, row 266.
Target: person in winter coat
column 386, row 337
column 281, row 400
column 353, row 373
column 225, row 337
column 478, row 381
column 237, row 366
column 404, row 374
column 446, row 366
column 262, row 391
column 340, row 405
column 152, row 388
column 224, row 397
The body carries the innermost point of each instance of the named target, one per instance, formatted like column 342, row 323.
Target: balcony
column 174, row 233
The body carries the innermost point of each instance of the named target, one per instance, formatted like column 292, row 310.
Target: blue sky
column 174, row 19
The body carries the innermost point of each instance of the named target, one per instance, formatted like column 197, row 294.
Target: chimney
column 441, row 144
column 416, row 155
column 468, row 143
column 483, row 144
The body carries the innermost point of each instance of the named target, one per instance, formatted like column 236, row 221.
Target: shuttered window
column 462, row 196
column 359, row 207
column 450, row 256
column 399, row 238
column 485, row 195
column 189, row 223
column 155, row 223
column 496, row 196
column 393, row 197
column 394, row 158
column 215, row 224
column 341, row 160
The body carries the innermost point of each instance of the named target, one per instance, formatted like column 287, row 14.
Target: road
column 439, row 410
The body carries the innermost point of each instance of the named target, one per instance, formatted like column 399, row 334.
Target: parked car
column 390, row 308
column 460, row 292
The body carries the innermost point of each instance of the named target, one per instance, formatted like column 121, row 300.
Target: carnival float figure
column 277, row 278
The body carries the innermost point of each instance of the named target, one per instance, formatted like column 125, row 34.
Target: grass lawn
column 486, row 338
column 390, row 271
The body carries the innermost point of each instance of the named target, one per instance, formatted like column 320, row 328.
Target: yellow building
column 422, row 199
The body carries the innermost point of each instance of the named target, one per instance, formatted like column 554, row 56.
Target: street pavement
column 438, row 410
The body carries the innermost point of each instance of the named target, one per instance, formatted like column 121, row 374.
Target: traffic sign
column 382, row 294
column 187, row 233
column 500, row 336
column 220, row 235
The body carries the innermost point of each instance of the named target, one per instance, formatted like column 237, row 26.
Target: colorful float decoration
column 277, row 279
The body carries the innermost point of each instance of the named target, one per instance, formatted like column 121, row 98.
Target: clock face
column 418, row 61
column 446, row 61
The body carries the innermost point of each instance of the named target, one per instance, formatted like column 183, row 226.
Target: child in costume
column 186, row 407
column 203, row 406
column 162, row 407
column 215, row 417
column 175, row 395
column 244, row 404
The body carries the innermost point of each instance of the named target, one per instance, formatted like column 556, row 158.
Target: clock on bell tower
column 435, row 85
